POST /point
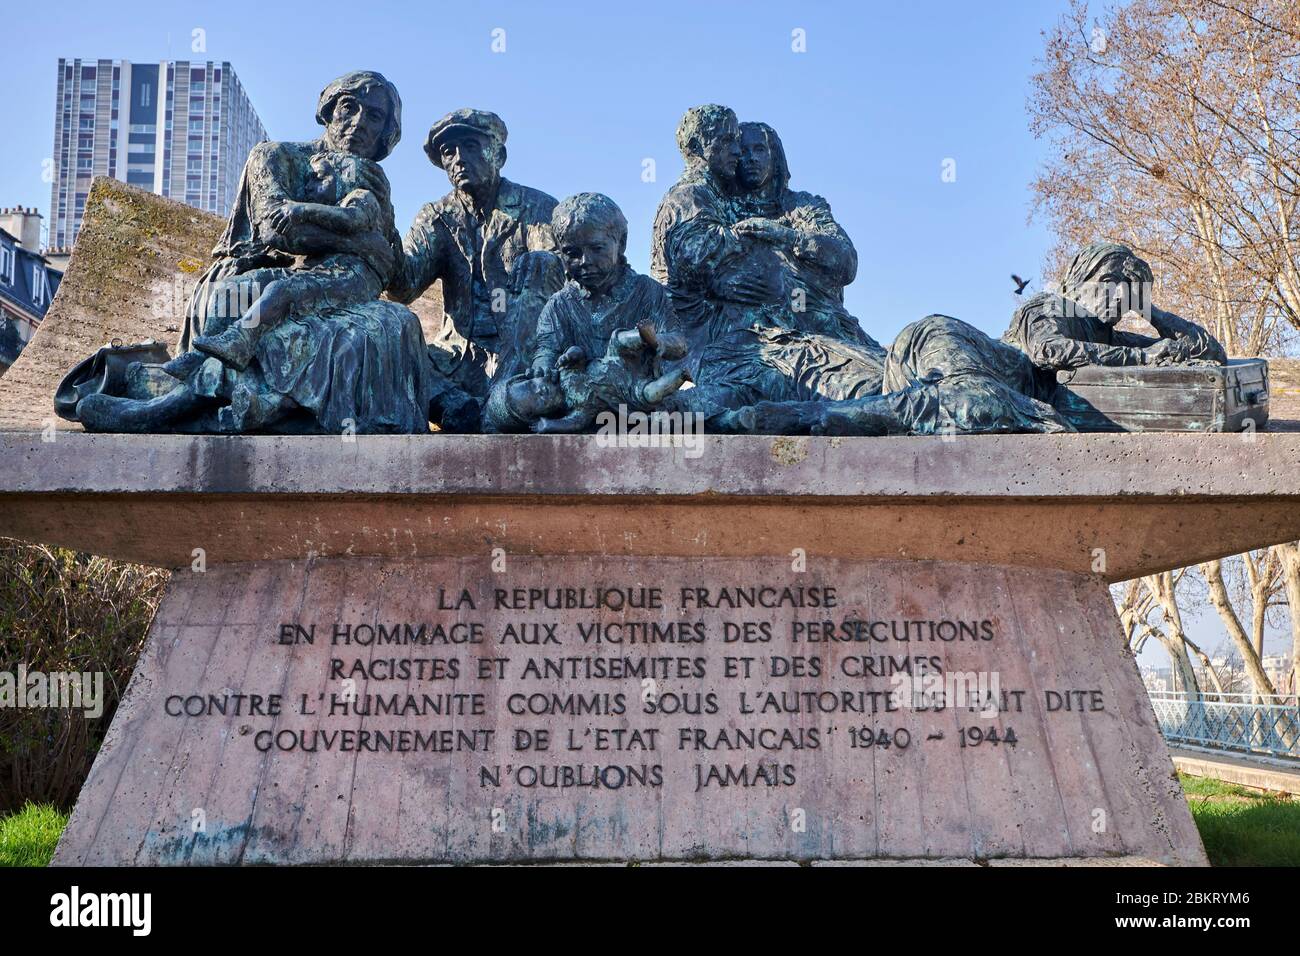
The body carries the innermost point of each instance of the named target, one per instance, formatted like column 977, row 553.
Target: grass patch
column 28, row 837
column 1209, row 788
column 1244, row 827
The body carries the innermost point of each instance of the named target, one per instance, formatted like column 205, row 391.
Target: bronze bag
column 104, row 372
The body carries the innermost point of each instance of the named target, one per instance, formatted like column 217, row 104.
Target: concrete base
column 1117, row 506
column 1087, row 776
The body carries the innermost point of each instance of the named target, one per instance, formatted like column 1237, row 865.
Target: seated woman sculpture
column 814, row 251
column 309, row 244
column 758, row 328
column 335, row 197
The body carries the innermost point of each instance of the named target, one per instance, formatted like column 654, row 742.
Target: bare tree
column 1175, row 128
column 1141, row 599
column 1290, row 559
column 1263, row 574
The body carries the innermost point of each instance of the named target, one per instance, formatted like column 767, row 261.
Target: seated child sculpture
column 604, row 340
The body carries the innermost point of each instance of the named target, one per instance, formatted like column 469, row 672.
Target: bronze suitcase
column 1175, row 398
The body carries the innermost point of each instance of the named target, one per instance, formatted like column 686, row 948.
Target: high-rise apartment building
column 177, row 128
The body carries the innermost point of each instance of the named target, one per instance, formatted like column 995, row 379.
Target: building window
column 6, row 264
column 40, row 287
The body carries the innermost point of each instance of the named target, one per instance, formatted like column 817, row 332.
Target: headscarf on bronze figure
column 362, row 81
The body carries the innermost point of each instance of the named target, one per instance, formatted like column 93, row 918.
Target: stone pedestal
column 398, row 650
column 368, row 710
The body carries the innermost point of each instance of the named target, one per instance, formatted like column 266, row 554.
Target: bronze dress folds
column 946, row 375
column 349, row 365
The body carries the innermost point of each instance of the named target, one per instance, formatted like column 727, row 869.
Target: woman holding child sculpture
column 286, row 330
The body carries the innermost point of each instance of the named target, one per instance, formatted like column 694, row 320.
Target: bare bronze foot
column 110, row 413
column 656, row 391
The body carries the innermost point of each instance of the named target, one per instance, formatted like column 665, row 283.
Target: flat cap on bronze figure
column 488, row 242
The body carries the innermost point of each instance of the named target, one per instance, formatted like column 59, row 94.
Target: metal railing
column 1243, row 723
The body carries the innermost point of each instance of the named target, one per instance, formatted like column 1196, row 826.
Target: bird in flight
column 1020, row 283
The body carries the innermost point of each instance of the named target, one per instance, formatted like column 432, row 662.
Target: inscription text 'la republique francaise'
column 838, row 672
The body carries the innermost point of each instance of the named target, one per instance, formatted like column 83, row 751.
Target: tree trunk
column 1205, row 662
column 1213, row 572
column 1162, row 589
column 1290, row 556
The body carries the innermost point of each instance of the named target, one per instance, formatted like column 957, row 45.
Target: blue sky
column 884, row 94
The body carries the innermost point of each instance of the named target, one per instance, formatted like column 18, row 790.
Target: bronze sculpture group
column 300, row 323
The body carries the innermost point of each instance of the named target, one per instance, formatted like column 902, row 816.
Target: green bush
column 28, row 837
column 61, row 611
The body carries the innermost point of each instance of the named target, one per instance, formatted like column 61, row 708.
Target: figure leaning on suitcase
column 1076, row 327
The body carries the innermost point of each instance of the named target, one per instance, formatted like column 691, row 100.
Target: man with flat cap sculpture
column 489, row 241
